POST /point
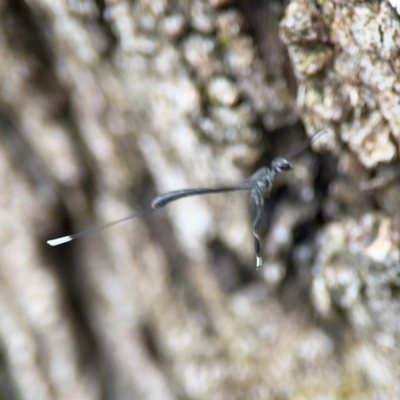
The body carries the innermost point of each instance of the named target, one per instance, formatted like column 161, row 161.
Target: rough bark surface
column 104, row 104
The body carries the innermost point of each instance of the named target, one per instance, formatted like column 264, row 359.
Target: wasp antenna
column 307, row 143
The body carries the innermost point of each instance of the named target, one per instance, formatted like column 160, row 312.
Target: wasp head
column 281, row 165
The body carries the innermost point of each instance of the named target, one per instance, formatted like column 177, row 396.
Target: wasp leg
column 259, row 204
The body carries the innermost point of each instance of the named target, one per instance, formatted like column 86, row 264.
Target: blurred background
column 104, row 104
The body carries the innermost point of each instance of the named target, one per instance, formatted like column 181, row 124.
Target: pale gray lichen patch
column 222, row 91
column 202, row 17
column 230, row 125
column 369, row 137
column 357, row 73
column 199, row 53
column 310, row 61
column 233, row 54
column 173, row 25
column 229, row 24
column 240, row 55
column 303, row 24
column 362, row 253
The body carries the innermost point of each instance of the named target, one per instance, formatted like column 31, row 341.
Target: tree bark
column 104, row 105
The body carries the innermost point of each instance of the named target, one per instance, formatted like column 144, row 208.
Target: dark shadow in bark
column 230, row 273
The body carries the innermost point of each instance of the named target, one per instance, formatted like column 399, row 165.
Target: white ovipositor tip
column 61, row 240
column 258, row 261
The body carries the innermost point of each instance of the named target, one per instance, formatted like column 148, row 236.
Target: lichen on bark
column 105, row 104
column 353, row 90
